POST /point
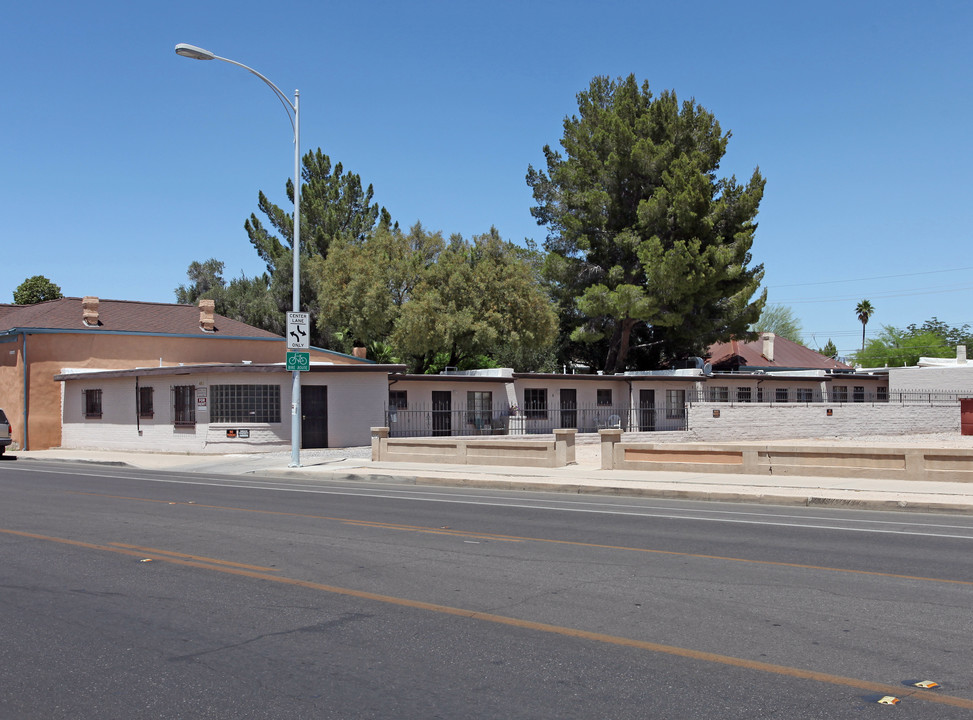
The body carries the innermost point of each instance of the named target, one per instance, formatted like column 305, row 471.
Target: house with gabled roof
column 62, row 338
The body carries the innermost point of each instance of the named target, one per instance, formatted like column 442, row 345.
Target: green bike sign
column 298, row 361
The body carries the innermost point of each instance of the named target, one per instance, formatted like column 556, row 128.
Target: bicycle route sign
column 298, row 361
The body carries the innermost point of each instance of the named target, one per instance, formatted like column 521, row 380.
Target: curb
column 703, row 495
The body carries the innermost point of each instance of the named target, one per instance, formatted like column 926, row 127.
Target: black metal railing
column 791, row 395
column 503, row 420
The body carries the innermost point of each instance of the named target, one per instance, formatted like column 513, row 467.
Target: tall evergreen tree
column 648, row 248
column 333, row 205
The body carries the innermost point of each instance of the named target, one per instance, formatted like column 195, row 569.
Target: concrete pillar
column 380, row 436
column 564, row 446
column 608, row 440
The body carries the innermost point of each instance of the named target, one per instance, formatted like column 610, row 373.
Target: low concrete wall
column 943, row 464
column 758, row 421
column 475, row 450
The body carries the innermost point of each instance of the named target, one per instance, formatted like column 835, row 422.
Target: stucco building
column 41, row 341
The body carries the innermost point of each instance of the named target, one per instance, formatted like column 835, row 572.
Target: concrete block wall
column 769, row 422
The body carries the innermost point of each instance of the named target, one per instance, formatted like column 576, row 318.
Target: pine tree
column 647, row 247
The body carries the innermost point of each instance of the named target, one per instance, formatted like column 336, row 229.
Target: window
column 605, row 398
column 839, row 393
column 781, row 395
column 805, row 395
column 675, row 404
column 535, row 403
column 744, row 394
column 859, row 393
column 760, row 393
column 882, row 394
column 145, row 402
column 479, row 409
column 398, row 399
column 719, row 394
column 245, row 404
column 92, row 403
column 183, row 405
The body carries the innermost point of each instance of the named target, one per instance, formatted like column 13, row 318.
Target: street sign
column 298, row 361
column 298, row 337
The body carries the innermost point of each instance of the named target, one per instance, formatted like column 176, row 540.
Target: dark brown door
column 647, row 410
column 442, row 407
column 314, row 416
column 569, row 408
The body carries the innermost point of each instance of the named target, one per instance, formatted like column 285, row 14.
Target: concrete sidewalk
column 353, row 464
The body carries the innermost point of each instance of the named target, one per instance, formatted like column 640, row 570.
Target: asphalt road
column 132, row 594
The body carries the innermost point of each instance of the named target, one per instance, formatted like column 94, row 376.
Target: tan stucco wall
column 48, row 354
column 12, row 389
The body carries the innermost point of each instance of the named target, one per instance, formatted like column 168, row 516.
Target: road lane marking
column 575, row 633
column 516, row 538
column 213, row 561
column 421, row 496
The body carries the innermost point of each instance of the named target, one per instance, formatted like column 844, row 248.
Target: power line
column 877, row 277
column 877, row 295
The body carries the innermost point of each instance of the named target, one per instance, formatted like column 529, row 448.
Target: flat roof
column 222, row 368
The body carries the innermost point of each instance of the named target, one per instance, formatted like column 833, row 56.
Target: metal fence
column 448, row 420
column 503, row 420
column 792, row 395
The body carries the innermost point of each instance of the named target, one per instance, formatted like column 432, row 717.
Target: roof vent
column 206, row 319
column 89, row 311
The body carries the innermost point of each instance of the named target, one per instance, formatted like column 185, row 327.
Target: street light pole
column 294, row 115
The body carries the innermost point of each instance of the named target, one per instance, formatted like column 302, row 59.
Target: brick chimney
column 206, row 310
column 768, row 350
column 961, row 354
column 89, row 311
column 360, row 352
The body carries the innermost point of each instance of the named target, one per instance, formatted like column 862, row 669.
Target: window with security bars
column 781, row 395
column 675, row 403
column 719, row 393
column 245, row 404
column 92, row 403
column 183, row 405
column 479, row 409
column 535, row 403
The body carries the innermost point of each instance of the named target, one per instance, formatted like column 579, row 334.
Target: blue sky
column 123, row 162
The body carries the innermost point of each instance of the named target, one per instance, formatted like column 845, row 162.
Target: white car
column 4, row 432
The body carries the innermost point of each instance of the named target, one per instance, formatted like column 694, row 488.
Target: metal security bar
column 427, row 421
column 841, row 395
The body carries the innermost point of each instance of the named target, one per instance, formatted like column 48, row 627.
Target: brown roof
column 735, row 355
column 123, row 316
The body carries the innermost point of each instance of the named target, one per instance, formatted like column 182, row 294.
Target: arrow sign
column 297, row 331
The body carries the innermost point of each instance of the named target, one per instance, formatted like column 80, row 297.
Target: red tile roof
column 787, row 354
column 123, row 316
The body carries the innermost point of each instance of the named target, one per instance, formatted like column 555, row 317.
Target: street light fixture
column 294, row 115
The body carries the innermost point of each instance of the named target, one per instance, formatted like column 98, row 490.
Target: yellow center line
column 672, row 650
column 516, row 538
column 199, row 558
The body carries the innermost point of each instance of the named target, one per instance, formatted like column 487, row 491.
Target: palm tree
column 864, row 311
